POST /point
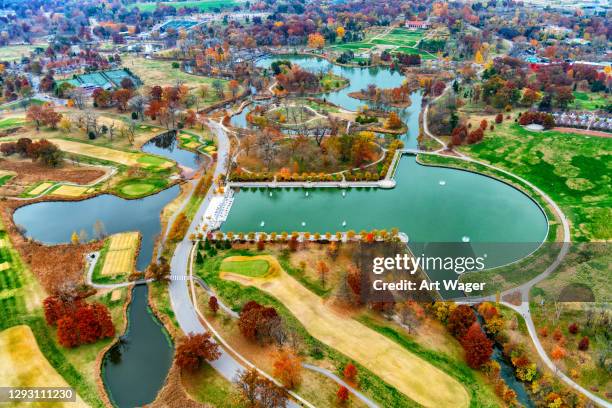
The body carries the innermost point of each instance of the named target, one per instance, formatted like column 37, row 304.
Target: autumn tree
column 583, row 345
column 260, row 392
column 288, row 367
column 316, row 40
column 35, row 114
column 478, row 348
column 342, row 394
column 350, row 372
column 323, row 270
column 460, row 320
column 213, row 304
column 159, row 270
column 393, row 122
column 195, row 349
column 259, row 323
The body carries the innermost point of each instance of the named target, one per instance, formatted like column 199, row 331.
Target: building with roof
column 417, row 25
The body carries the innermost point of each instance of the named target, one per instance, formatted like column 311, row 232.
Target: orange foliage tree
column 288, row 367
column 316, row 40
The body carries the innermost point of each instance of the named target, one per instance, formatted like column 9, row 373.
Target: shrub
column 573, row 328
column 583, row 345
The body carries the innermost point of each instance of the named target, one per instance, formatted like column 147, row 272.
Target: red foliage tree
column 257, row 322
column 195, row 349
column 478, row 348
column 573, row 328
column 350, row 372
column 213, row 304
column 499, row 118
column 583, row 345
column 475, row 136
column 342, row 394
column 460, row 320
column 88, row 328
column 67, row 333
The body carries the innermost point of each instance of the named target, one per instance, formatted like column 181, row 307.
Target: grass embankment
column 236, row 295
column 572, row 169
column 480, row 394
column 578, row 291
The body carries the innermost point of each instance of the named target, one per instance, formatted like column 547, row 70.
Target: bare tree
column 137, row 104
column 78, row 95
column 267, row 147
column 319, row 133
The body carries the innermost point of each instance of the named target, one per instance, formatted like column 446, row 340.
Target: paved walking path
column 525, row 288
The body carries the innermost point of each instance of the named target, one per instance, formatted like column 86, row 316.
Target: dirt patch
column 33, row 172
column 595, row 133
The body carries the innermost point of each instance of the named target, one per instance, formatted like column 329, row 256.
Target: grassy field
column 117, row 156
column 256, row 267
column 208, row 387
column 204, row 5
column 12, row 122
column 16, row 52
column 392, row 40
column 157, row 72
column 589, row 101
column 377, row 353
column 70, row 191
column 481, row 394
column 121, row 254
column 573, row 169
column 23, row 365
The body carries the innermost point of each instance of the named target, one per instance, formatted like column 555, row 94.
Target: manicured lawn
column 205, row 5
column 590, row 101
column 16, row 52
column 139, row 187
column 573, row 169
column 253, row 268
column 397, row 40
